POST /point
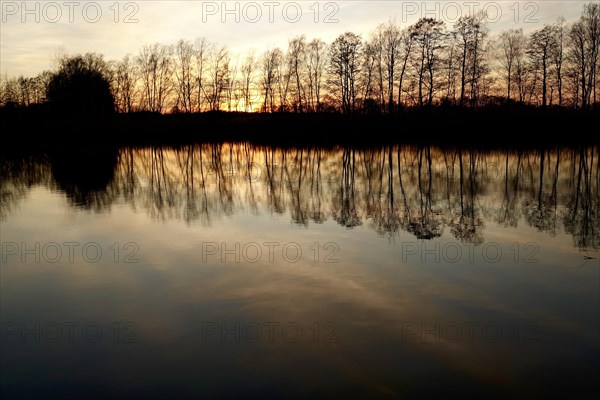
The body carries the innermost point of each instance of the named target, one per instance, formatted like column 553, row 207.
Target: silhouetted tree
column 155, row 66
column 391, row 42
column 344, row 59
column 316, row 54
column 124, row 84
column 296, row 49
column 464, row 33
column 269, row 66
column 590, row 19
column 284, row 76
column 511, row 47
column 247, row 76
column 201, row 51
column 184, row 53
column 557, row 56
column 428, row 34
column 584, row 38
column 540, row 50
column 81, row 86
column 407, row 42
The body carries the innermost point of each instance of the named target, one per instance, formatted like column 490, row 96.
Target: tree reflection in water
column 392, row 189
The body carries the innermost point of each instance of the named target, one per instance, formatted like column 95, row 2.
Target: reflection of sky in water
column 375, row 293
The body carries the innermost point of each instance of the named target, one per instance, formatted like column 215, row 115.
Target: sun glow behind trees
column 424, row 64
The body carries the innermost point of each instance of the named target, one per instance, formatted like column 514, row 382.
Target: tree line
column 425, row 64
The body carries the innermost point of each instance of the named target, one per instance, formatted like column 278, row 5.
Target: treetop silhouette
column 81, row 86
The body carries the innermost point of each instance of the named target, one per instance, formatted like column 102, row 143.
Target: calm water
column 217, row 271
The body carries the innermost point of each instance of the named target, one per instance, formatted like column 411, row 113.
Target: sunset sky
column 27, row 46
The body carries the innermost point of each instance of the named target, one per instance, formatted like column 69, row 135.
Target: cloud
column 124, row 27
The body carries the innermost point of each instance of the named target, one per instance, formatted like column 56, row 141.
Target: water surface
column 223, row 270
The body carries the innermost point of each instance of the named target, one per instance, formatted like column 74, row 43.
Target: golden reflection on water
column 424, row 191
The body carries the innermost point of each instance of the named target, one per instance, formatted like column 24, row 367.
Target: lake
column 235, row 270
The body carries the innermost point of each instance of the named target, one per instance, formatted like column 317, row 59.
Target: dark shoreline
column 482, row 128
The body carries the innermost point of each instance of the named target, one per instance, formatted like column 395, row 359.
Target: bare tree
column 247, row 71
column 470, row 32
column 344, row 60
column 591, row 23
column 231, row 86
column 428, row 34
column 24, row 91
column 557, row 56
column 269, row 66
column 407, row 42
column 284, row 76
column 579, row 62
column 478, row 50
column 539, row 50
column 219, row 77
column 463, row 31
column 512, row 49
column 155, row 66
column 373, row 48
column 584, row 38
column 201, row 52
column 392, row 40
column 521, row 73
column 184, row 53
column 9, row 91
column 296, row 50
column 451, row 60
column 39, row 87
column 369, row 60
column 124, row 84
column 316, row 60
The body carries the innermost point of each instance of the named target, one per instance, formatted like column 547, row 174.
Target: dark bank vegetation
column 496, row 127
